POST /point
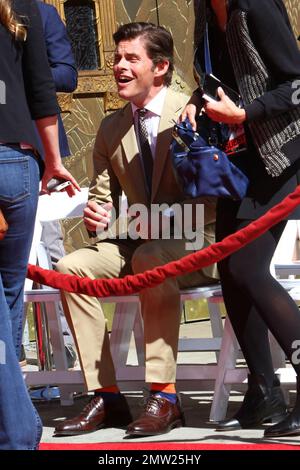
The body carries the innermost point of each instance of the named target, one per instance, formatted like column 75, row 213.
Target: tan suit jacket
column 118, row 167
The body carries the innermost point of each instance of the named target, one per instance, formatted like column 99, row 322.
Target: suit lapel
column 135, row 172
column 168, row 116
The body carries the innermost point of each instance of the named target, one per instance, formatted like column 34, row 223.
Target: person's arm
column 225, row 110
column 41, row 97
column 273, row 37
column 59, row 51
column 48, row 131
column 38, row 81
column 192, row 109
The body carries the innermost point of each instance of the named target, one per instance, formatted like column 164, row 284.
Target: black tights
column 254, row 300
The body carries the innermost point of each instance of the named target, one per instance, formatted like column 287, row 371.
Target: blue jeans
column 20, row 425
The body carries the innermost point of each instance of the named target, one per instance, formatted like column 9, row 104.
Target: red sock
column 165, row 388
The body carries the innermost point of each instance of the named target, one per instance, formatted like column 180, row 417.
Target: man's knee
column 66, row 265
column 146, row 256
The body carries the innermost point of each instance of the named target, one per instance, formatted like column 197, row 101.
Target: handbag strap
column 207, row 59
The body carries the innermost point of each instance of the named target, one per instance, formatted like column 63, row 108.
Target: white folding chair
column 53, row 207
column 126, row 321
column 284, row 264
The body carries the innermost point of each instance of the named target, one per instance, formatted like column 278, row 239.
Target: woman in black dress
column 254, row 51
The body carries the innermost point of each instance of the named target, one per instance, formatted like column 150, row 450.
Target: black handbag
column 201, row 166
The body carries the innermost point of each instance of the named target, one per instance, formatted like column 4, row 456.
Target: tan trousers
column 160, row 305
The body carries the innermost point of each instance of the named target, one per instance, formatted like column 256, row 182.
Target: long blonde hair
column 11, row 22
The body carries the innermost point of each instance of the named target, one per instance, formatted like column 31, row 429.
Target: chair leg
column 227, row 360
column 58, row 348
column 216, row 321
column 49, row 333
column 278, row 355
column 278, row 358
column 42, row 337
column 122, row 327
column 57, row 339
column 66, row 395
column 138, row 332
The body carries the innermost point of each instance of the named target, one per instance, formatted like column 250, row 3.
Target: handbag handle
column 207, row 59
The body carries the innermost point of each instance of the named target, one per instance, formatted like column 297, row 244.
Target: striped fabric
column 252, row 76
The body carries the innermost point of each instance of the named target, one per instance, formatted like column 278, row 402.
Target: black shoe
column 261, row 404
column 290, row 425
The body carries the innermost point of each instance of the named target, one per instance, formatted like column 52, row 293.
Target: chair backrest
column 50, row 208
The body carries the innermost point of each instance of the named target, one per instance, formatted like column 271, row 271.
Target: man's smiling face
column 135, row 72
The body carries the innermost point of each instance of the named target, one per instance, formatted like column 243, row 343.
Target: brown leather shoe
column 96, row 415
column 159, row 417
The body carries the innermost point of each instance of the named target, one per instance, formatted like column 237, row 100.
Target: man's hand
column 97, row 217
column 192, row 109
column 189, row 112
column 225, row 110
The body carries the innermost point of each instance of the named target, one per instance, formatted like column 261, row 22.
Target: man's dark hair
column 158, row 43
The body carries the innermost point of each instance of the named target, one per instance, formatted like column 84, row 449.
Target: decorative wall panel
column 175, row 15
column 96, row 92
column 90, row 25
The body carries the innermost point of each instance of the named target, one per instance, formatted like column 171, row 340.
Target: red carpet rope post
column 135, row 283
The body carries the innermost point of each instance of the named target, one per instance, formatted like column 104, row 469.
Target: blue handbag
column 202, row 169
column 201, row 166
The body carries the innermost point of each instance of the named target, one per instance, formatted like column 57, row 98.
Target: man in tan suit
column 143, row 69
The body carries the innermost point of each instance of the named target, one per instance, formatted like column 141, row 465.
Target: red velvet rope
column 134, row 283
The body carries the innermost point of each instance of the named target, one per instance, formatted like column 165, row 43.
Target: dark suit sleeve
column 38, row 82
column 59, row 52
column 273, row 37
